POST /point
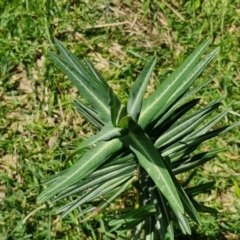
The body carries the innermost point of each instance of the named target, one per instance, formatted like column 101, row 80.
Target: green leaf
column 108, row 132
column 118, row 111
column 206, row 127
column 108, row 200
column 183, row 223
column 206, row 136
column 150, row 231
column 121, row 156
column 236, row 187
column 136, row 214
column 163, row 213
column 189, row 178
column 187, row 204
column 124, row 122
column 181, row 100
column 82, row 168
column 176, row 155
column 90, row 91
column 76, row 64
column 96, row 191
column 162, row 126
column 138, row 89
column 190, row 78
column 138, row 230
column 113, row 163
column 202, row 208
column 96, row 74
column 154, row 164
column 123, row 188
column 201, row 188
column 184, row 126
column 194, row 141
column 89, row 182
column 175, row 85
column 186, row 164
column 175, row 107
column 88, row 113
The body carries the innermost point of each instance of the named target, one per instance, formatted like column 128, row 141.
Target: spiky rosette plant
column 144, row 144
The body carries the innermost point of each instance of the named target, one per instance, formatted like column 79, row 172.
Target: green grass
column 38, row 123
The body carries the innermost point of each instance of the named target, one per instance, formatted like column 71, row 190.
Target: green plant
column 142, row 145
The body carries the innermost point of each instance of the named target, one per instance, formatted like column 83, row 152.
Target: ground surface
column 38, row 121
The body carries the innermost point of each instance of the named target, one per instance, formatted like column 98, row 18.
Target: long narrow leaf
column 154, row 103
column 95, row 192
column 209, row 135
column 76, row 64
column 184, row 126
column 119, row 191
column 138, row 230
column 186, row 164
column 118, row 111
column 201, row 188
column 163, row 126
column 190, row 78
column 177, row 155
column 183, row 223
column 162, row 212
column 138, row 89
column 89, row 183
column 206, row 127
column 95, row 97
column 82, row 168
column 154, row 165
column 96, row 74
column 89, row 114
column 181, row 100
column 202, row 208
column 194, row 141
column 108, row 132
column 187, row 204
column 134, row 215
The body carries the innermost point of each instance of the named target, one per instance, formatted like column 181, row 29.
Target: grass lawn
column 38, row 123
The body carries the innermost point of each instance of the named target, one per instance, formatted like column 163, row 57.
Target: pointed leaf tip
column 138, row 89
